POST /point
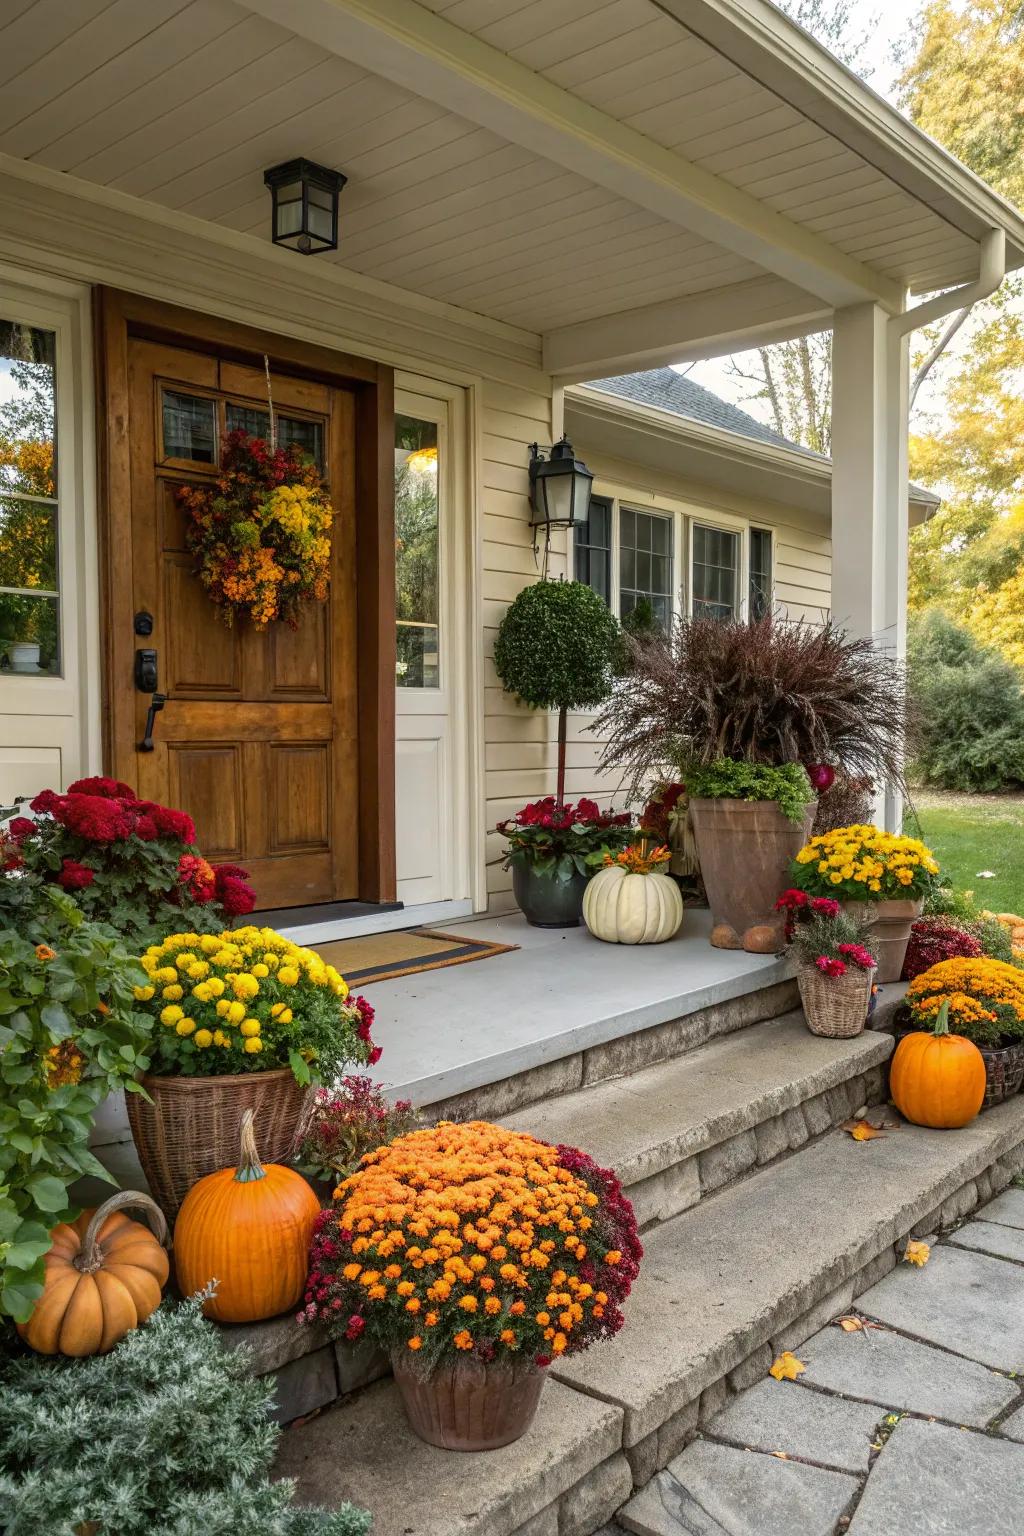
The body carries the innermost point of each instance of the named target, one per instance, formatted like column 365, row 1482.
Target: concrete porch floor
column 450, row 1031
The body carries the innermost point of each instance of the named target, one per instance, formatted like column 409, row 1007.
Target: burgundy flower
column 234, row 894
column 174, row 824
column 356, row 1326
column 75, row 876
column 94, row 819
column 20, row 828
column 46, row 802
column 102, row 788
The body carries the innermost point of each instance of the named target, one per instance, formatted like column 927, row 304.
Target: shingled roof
column 667, row 390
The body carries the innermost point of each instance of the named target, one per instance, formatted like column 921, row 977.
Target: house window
column 29, row 581
column 593, row 540
column 417, row 553
column 715, row 576
column 760, row 562
column 645, row 564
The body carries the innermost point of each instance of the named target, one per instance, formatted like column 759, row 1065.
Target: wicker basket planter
column 468, row 1405
column 1004, row 1073
column 193, row 1124
column 835, row 1006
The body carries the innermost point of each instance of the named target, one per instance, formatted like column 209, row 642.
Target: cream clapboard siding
column 521, row 746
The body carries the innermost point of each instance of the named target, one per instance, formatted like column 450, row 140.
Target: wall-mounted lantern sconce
column 559, row 487
column 305, row 211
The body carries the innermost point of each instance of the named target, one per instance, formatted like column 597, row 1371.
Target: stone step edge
column 796, row 1316
column 668, row 1176
column 622, row 1054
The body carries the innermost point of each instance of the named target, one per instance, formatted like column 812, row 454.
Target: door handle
column 156, row 704
column 147, row 678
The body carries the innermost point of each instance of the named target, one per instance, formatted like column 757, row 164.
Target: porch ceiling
column 546, row 163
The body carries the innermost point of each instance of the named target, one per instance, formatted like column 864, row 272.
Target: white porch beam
column 712, row 324
column 870, row 514
column 411, row 46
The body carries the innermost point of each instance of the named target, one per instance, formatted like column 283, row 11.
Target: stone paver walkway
column 915, row 1425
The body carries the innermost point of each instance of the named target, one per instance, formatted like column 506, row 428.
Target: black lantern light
column 305, row 214
column 559, row 487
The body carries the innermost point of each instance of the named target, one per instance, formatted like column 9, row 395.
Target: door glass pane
column 645, row 578
column 29, row 604
column 292, row 431
column 190, row 427
column 715, row 572
column 246, row 418
column 417, row 554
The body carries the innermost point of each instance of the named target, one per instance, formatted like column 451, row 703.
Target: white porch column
column 870, row 382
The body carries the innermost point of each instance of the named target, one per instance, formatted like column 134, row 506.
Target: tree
column 556, row 648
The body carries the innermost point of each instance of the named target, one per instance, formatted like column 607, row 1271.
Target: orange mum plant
column 472, row 1240
column 985, row 997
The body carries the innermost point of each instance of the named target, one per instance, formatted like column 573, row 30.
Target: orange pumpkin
column 248, row 1229
column 104, row 1276
column 937, row 1079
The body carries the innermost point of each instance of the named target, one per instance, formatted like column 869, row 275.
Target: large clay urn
column 746, row 848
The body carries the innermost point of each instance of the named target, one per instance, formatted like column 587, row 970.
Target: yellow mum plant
column 986, row 999
column 865, row 864
column 249, row 1000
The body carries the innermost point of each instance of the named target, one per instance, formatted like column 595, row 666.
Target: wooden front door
column 258, row 739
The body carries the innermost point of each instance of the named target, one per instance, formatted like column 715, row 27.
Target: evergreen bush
column 557, row 646
column 167, row 1435
column 968, row 710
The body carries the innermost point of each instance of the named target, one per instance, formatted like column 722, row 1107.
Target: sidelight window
column 417, row 553
column 29, row 574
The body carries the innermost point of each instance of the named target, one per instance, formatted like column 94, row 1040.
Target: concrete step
column 761, row 1266
column 678, row 1131
column 754, row 1269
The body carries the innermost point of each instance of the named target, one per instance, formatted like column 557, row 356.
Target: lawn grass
column 971, row 833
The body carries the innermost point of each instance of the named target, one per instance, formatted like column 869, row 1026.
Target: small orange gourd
column 249, row 1230
column 104, row 1276
column 938, row 1079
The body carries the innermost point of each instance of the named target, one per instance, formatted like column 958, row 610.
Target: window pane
column 29, row 635
column 760, row 595
column 307, row 436
column 29, row 612
column 417, row 553
column 627, row 569
column 190, row 428
column 715, row 571
column 661, row 529
column 247, row 418
column 592, row 548
column 645, row 577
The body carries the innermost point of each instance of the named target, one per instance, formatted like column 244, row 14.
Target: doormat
column 383, row 956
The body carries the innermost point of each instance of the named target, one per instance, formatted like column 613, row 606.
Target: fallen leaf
column 862, row 1130
column 787, row 1367
column 850, row 1324
column 917, row 1253
column 780, row 1455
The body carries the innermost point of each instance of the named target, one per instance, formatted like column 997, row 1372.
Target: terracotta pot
column 890, row 923
column 546, row 902
column 467, row 1405
column 746, row 848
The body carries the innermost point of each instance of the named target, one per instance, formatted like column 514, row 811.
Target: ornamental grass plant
column 167, row 1435
column 474, row 1242
column 249, row 1000
column 765, row 691
column 985, row 997
column 865, row 863
column 833, row 943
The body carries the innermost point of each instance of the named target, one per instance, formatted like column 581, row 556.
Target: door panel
column 258, row 739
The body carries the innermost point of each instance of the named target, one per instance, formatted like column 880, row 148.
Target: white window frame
column 685, row 516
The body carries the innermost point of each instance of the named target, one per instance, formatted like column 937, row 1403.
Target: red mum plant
column 938, row 938
column 799, row 907
column 128, row 862
column 562, row 839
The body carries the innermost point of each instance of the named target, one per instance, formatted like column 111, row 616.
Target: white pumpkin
column 623, row 908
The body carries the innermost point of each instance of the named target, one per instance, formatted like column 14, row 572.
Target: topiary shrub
column 167, row 1435
column 557, row 647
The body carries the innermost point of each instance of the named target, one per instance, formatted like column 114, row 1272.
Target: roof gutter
column 991, row 271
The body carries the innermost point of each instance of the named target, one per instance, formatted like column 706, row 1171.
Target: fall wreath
column 260, row 534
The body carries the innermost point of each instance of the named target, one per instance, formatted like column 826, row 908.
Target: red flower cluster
column 233, row 892
column 74, row 876
column 656, row 821
column 938, row 938
column 619, row 1229
column 797, row 906
column 559, row 818
column 830, row 967
column 102, row 810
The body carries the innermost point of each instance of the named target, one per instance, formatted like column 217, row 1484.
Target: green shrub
column 167, row 1435
column 787, row 785
column 968, row 707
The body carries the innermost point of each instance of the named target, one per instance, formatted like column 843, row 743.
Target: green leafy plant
column 763, row 691
column 557, row 648
column 167, row 1435
column 69, row 1036
column 564, row 840
column 969, row 710
column 788, row 785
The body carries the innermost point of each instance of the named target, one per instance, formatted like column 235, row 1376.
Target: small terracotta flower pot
column 466, row 1405
column 890, row 923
